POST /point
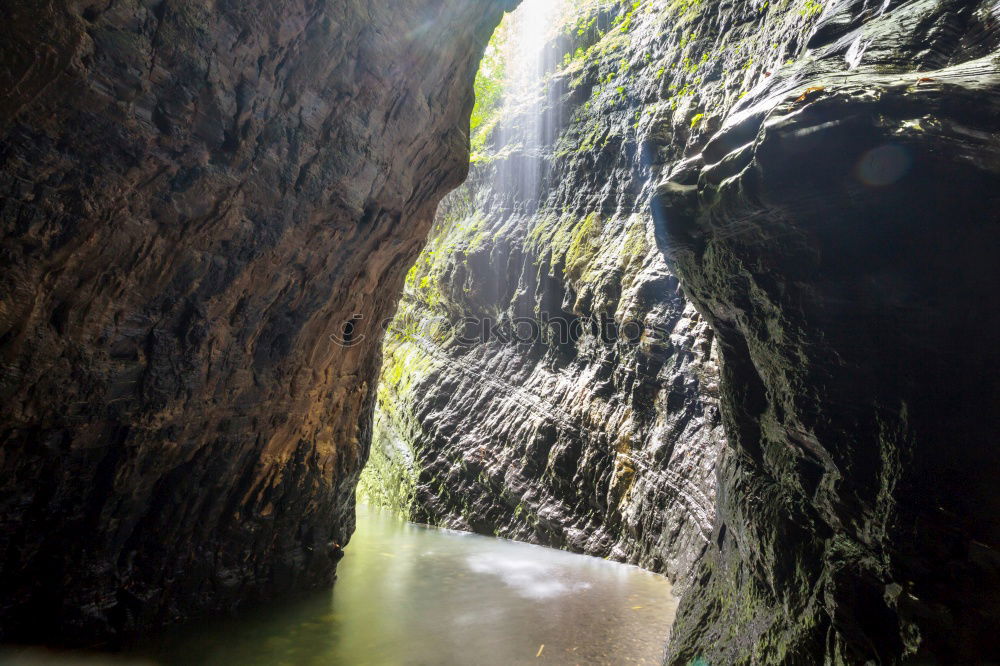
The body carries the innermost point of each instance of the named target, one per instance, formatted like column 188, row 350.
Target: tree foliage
column 489, row 86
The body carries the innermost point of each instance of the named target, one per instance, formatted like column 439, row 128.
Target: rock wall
column 835, row 233
column 826, row 191
column 545, row 379
column 193, row 197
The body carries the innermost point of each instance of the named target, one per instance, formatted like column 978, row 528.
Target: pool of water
column 408, row 594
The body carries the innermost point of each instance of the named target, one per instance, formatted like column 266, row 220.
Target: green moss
column 387, row 480
column 811, row 8
column 583, row 246
column 624, row 22
column 635, row 246
column 459, row 231
column 685, row 8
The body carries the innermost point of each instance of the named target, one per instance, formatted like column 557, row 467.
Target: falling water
column 531, row 107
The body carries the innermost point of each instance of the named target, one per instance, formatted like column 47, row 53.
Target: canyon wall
column 545, row 379
column 839, row 233
column 193, row 198
column 823, row 180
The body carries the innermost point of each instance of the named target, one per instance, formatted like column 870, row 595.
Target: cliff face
column 836, row 234
column 193, row 198
column 826, row 185
column 545, row 379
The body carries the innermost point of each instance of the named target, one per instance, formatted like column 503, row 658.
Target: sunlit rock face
column 839, row 233
column 586, row 417
column 194, row 197
column 825, row 188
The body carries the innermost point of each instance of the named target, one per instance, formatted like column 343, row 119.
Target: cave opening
column 543, row 379
column 708, row 326
column 546, row 395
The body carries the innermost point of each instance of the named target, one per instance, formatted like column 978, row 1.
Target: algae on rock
column 580, row 411
column 742, row 138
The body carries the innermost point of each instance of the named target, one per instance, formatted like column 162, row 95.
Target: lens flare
column 883, row 165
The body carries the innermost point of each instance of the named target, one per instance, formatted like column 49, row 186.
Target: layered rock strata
column 826, row 181
column 837, row 232
column 545, row 379
column 193, row 198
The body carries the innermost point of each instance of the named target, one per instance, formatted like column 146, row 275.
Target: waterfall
column 530, row 110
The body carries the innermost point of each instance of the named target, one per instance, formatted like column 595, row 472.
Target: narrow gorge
column 706, row 287
column 544, row 373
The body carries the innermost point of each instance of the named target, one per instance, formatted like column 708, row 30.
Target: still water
column 408, row 594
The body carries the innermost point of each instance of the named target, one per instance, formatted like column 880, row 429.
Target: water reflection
column 409, row 594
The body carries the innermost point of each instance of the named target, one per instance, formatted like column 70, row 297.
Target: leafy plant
column 811, row 8
column 489, row 87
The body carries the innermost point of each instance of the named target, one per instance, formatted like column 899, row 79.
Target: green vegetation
column 584, row 246
column 386, row 481
column 389, row 479
column 686, row 8
column 811, row 8
column 636, row 244
column 623, row 22
column 573, row 242
column 598, row 41
column 489, row 88
column 459, row 230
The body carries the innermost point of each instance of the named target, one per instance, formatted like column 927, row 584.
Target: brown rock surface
column 193, row 198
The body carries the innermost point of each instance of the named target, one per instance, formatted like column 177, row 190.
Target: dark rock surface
column 827, row 193
column 603, row 444
column 193, row 197
column 839, row 232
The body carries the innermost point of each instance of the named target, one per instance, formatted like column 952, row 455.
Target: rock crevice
column 545, row 379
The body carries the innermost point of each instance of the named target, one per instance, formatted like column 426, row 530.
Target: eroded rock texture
column 839, row 233
column 586, row 417
column 194, row 196
column 827, row 192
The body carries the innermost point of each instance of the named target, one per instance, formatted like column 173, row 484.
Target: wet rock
column 834, row 233
column 193, row 198
column 584, row 415
column 825, row 189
